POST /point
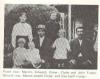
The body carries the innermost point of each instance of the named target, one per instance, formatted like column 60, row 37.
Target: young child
column 62, row 47
column 33, row 55
column 19, row 54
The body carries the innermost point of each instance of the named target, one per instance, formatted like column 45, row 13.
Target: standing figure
column 52, row 27
column 43, row 44
column 21, row 29
column 62, row 47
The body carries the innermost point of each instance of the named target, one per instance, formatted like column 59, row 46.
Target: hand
column 43, row 61
column 89, row 61
column 72, row 61
column 38, row 60
column 37, row 66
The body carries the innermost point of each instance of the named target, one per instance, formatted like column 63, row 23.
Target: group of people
column 50, row 49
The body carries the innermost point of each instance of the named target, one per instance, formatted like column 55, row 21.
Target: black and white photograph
column 50, row 36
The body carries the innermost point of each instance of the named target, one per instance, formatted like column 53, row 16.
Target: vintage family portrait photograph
column 50, row 36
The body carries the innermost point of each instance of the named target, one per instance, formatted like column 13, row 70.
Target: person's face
column 31, row 46
column 53, row 16
column 41, row 32
column 61, row 34
column 80, row 33
column 23, row 18
column 21, row 44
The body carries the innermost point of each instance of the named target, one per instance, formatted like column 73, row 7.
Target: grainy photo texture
column 50, row 36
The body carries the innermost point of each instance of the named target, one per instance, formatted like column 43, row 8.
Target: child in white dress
column 19, row 54
column 33, row 55
column 62, row 47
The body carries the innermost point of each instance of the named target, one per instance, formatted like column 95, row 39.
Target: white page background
column 67, row 2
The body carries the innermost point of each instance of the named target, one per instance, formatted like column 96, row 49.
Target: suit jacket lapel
column 38, row 42
column 43, row 43
column 83, row 43
column 77, row 42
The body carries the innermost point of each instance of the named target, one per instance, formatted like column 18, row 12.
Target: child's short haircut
column 21, row 40
column 62, row 31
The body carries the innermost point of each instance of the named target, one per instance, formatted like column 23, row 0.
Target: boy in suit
column 44, row 45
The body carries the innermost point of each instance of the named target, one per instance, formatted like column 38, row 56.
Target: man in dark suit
column 81, row 51
column 44, row 45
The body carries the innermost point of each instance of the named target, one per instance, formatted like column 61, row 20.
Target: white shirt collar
column 41, row 40
column 80, row 41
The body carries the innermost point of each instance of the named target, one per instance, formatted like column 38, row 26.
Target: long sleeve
column 14, row 58
column 68, row 46
column 54, row 44
column 96, row 44
column 30, row 36
column 71, row 54
column 14, row 55
column 14, row 33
